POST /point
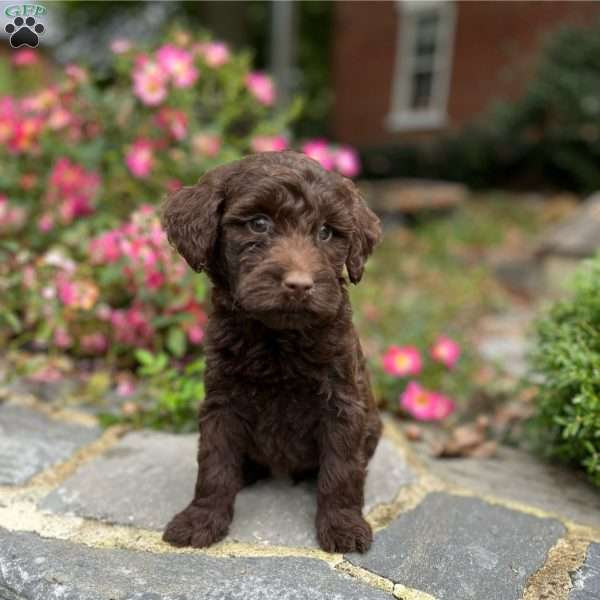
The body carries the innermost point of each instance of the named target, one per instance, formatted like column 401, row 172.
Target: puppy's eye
column 260, row 224
column 325, row 233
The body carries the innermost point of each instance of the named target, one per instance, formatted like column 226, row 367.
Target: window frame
column 401, row 116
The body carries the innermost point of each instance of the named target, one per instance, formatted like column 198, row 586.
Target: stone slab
column 148, row 477
column 34, row 568
column 459, row 547
column 578, row 235
column 31, row 442
column 586, row 580
column 516, row 475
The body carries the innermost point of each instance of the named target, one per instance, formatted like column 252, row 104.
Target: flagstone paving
column 81, row 512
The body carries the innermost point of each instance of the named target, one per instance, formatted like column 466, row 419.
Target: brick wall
column 495, row 49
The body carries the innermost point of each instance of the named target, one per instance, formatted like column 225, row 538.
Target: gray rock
column 586, row 580
column 30, row 442
column 455, row 547
column 149, row 476
column 32, row 568
column 516, row 475
column 577, row 236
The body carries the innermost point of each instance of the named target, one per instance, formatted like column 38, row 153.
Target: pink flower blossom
column 59, row 118
column 75, row 206
column 61, row 338
column 268, row 143
column 67, row 291
column 149, row 82
column 347, row 161
column 45, row 223
column 215, row 54
column 402, row 361
column 94, row 343
column 140, row 158
column 24, row 58
column 71, row 178
column 174, row 121
column 77, row 73
column 261, row 87
column 195, row 334
column 446, row 351
column 319, row 150
column 106, row 248
column 125, row 386
column 120, row 46
column 207, row 144
column 424, row 405
column 179, row 64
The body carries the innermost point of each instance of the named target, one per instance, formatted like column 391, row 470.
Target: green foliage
column 566, row 358
column 173, row 395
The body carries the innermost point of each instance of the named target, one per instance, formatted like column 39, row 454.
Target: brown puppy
column 287, row 389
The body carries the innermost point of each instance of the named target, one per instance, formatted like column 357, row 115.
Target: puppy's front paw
column 343, row 531
column 196, row 527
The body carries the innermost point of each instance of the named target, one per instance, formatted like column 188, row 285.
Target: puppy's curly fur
column 287, row 389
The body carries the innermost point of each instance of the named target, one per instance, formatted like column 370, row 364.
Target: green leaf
column 176, row 341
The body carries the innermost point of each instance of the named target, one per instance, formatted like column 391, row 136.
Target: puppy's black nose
column 298, row 282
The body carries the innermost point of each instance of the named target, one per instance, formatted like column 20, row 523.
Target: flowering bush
column 416, row 398
column 84, row 265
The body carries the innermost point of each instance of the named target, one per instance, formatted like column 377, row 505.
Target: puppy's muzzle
column 297, row 285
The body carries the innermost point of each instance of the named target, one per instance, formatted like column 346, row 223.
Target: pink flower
column 77, row 73
column 94, row 343
column 179, row 64
column 125, row 386
column 261, row 87
column 402, row 361
column 45, row 223
column 67, row 292
column 267, row 143
column 446, row 351
column 174, row 121
column 24, row 58
column 120, row 46
column 347, row 161
column 195, row 334
column 319, row 150
column 216, row 54
column 149, row 82
column 70, row 178
column 154, row 280
column 59, row 118
column 75, row 206
column 140, row 158
column 106, row 248
column 207, row 144
column 61, row 338
column 424, row 405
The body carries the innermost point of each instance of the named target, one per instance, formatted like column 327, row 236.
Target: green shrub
column 566, row 359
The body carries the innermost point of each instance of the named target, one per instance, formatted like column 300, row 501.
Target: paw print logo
column 24, row 32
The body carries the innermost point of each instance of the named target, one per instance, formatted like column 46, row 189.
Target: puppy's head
column 275, row 230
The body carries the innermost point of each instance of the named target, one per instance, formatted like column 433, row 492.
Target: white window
column 423, row 65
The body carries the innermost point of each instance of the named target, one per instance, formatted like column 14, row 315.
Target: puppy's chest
column 285, row 429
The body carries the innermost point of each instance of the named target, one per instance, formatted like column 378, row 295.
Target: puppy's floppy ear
column 191, row 218
column 366, row 233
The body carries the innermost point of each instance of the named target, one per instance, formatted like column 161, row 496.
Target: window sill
column 407, row 121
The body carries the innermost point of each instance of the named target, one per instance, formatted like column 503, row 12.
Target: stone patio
column 81, row 512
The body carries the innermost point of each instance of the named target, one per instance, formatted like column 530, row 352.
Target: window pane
column 422, row 85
